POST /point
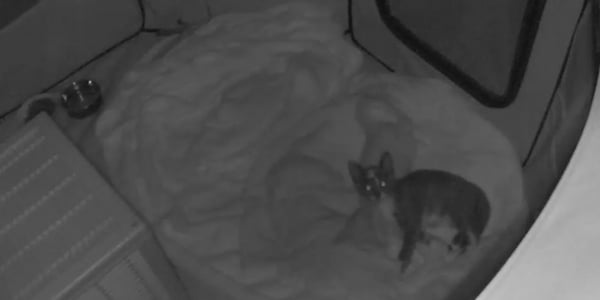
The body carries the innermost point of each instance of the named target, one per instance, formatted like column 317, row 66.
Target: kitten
column 422, row 200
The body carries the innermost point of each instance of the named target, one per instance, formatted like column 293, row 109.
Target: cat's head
column 372, row 181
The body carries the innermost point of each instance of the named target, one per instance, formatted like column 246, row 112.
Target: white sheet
column 235, row 146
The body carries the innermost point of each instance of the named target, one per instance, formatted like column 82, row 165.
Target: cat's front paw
column 404, row 265
column 393, row 248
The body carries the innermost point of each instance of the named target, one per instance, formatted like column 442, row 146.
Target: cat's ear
column 386, row 165
column 357, row 173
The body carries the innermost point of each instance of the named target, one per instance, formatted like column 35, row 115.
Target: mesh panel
column 12, row 9
column 483, row 45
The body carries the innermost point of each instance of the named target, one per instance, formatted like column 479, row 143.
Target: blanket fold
column 235, row 147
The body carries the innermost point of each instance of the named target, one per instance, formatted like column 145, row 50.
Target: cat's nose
column 377, row 193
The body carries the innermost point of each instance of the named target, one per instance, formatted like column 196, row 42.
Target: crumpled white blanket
column 235, row 143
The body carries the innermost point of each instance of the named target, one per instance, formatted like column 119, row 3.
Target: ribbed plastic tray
column 64, row 232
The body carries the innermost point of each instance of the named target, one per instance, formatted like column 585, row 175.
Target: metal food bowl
column 82, row 98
